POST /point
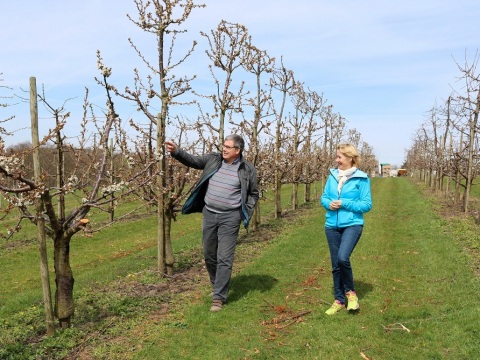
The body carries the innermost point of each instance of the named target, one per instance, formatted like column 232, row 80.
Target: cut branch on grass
column 287, row 316
column 364, row 356
column 324, row 302
column 396, row 326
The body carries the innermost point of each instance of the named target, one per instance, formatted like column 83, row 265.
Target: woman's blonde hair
column 351, row 152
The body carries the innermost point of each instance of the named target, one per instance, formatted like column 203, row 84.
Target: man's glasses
column 230, row 147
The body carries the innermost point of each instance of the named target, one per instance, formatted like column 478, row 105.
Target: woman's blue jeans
column 341, row 242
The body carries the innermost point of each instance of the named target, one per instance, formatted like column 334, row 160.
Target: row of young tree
column 445, row 153
column 290, row 130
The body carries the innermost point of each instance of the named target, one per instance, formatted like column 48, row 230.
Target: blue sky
column 381, row 64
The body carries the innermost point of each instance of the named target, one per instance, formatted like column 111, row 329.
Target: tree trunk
column 278, row 181
column 308, row 190
column 169, row 258
column 64, row 305
column 278, row 196
column 256, row 217
column 60, row 171
column 221, row 128
column 161, row 242
column 112, row 180
column 458, row 176
column 295, row 196
column 160, row 239
column 469, row 180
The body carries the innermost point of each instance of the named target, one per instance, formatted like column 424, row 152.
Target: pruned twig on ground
column 286, row 316
column 396, row 326
column 364, row 356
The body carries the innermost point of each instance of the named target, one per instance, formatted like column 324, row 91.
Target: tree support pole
column 47, row 298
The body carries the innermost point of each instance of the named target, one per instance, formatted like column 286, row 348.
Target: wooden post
column 39, row 211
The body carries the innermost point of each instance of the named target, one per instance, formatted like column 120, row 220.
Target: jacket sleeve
column 252, row 192
column 363, row 203
column 326, row 197
column 196, row 162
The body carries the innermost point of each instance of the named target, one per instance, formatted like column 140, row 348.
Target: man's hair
column 238, row 141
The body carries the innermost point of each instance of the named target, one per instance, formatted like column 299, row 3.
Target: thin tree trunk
column 458, row 175
column 448, row 169
column 112, row 179
column 295, row 196
column 308, row 192
column 60, row 173
column 256, row 216
column 278, row 196
column 469, row 180
column 64, row 304
column 278, row 182
column 169, row 258
column 161, row 243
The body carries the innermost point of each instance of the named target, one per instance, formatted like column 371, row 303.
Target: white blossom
column 9, row 163
column 110, row 189
column 130, row 161
column 106, row 71
column 72, row 181
column 19, row 201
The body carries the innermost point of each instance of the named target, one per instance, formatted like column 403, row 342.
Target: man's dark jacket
column 210, row 164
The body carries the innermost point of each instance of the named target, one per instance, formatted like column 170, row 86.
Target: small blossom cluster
column 10, row 163
column 71, row 184
column 106, row 71
column 19, row 201
column 130, row 161
column 114, row 188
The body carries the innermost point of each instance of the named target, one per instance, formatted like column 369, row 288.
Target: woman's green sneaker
column 352, row 301
column 336, row 307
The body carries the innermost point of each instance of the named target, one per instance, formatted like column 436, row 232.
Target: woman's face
column 343, row 162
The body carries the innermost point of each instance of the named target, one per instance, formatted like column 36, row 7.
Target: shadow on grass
column 241, row 285
column 362, row 288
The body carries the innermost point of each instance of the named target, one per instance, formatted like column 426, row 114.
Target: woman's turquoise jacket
column 356, row 199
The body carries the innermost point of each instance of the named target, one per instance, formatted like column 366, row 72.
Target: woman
column 346, row 198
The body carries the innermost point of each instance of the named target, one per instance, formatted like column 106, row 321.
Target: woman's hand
column 335, row 204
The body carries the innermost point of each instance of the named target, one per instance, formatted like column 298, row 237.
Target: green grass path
column 418, row 294
column 418, row 298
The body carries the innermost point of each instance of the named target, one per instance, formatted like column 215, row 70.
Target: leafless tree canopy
column 445, row 150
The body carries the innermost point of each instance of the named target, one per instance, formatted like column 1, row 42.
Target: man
column 226, row 195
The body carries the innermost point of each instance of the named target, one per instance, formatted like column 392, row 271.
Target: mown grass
column 415, row 281
column 126, row 250
column 417, row 294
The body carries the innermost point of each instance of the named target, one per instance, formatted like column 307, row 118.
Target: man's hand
column 170, row 146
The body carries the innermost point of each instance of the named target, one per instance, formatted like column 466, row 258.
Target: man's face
column 230, row 153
